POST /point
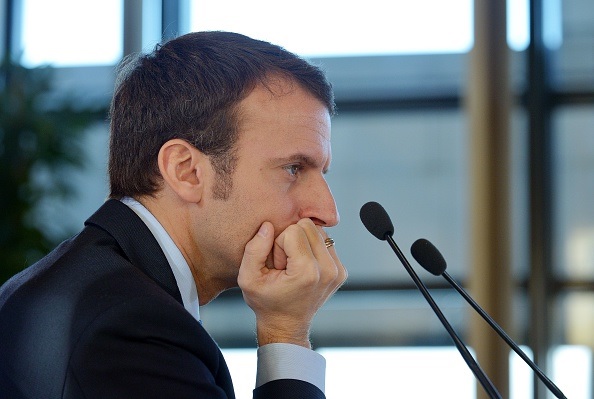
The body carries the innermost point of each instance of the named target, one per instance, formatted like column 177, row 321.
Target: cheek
column 282, row 215
column 259, row 202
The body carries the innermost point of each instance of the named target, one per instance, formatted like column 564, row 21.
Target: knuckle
column 306, row 223
column 311, row 278
column 330, row 275
column 296, row 232
column 338, row 276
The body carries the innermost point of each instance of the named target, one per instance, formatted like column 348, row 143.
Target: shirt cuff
column 288, row 361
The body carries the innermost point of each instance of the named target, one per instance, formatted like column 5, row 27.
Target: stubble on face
column 224, row 166
column 243, row 178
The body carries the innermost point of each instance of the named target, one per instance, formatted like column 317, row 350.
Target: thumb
column 257, row 249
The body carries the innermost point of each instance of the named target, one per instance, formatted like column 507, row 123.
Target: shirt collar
column 177, row 262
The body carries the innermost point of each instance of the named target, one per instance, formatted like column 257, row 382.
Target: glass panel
column 335, row 28
column 576, row 324
column 574, row 191
column 71, row 32
column 578, row 311
column 518, row 17
column 519, row 212
column 390, row 318
column 330, row 28
column 575, row 381
column 415, row 165
column 404, row 372
column 573, row 62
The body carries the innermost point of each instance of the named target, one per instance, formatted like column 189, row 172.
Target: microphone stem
column 472, row 364
column 554, row 389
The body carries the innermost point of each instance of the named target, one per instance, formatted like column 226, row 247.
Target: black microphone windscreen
column 428, row 256
column 377, row 220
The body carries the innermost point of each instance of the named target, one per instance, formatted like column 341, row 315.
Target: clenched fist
column 286, row 280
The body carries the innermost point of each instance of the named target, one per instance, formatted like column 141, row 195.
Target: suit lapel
column 137, row 242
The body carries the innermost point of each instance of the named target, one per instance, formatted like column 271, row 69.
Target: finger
column 257, row 249
column 315, row 236
column 292, row 247
column 279, row 257
column 331, row 271
column 341, row 272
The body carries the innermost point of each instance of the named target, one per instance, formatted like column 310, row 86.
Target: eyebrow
column 299, row 158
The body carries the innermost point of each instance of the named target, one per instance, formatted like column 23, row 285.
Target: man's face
column 283, row 152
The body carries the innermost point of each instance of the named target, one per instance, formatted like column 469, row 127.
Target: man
column 219, row 145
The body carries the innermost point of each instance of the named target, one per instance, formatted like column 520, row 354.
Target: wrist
column 267, row 334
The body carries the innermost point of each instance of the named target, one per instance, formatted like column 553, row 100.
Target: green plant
column 40, row 136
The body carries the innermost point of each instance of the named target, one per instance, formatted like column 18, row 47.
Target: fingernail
column 263, row 230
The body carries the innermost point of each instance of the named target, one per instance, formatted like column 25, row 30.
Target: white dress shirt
column 275, row 361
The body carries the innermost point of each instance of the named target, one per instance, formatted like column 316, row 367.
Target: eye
column 293, row 170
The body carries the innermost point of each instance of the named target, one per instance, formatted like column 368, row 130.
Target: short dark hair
column 189, row 88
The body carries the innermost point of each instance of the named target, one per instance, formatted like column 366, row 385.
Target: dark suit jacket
column 101, row 317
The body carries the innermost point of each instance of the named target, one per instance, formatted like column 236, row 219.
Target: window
column 71, row 32
column 405, row 372
column 376, row 27
column 395, row 142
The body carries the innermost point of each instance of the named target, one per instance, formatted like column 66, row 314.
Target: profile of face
column 283, row 152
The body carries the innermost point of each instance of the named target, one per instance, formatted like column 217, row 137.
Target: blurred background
column 471, row 122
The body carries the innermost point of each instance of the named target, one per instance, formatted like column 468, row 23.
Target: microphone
column 431, row 259
column 376, row 220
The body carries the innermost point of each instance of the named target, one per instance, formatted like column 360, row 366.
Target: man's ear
column 182, row 167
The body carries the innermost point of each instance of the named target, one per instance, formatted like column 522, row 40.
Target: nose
column 319, row 204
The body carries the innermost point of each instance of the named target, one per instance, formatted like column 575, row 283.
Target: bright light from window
column 397, row 373
column 89, row 32
column 334, row 28
column 71, row 32
column 518, row 19
column 417, row 372
column 375, row 27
